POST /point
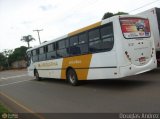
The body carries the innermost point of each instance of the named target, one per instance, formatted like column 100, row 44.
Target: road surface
column 135, row 94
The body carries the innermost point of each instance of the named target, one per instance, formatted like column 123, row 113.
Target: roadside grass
column 3, row 109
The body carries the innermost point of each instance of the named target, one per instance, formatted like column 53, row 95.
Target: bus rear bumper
column 134, row 70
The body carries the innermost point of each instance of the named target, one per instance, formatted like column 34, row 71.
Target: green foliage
column 18, row 54
column 2, row 60
column 120, row 13
column 109, row 14
column 3, row 109
column 7, row 57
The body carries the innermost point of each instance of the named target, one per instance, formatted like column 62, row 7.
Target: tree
column 120, row 13
column 27, row 39
column 7, row 53
column 109, row 14
column 2, row 60
column 7, row 57
column 18, row 54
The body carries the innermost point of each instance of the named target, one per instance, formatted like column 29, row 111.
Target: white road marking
column 14, row 83
column 12, row 77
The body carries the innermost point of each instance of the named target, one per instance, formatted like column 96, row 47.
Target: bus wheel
column 37, row 78
column 72, row 77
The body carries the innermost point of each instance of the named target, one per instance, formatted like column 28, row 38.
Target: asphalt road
column 138, row 94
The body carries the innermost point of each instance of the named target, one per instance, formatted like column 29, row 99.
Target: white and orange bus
column 113, row 48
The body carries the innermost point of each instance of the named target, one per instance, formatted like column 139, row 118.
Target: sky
column 56, row 17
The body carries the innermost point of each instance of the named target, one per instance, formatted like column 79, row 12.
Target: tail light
column 128, row 57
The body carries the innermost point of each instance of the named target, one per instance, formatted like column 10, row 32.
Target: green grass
column 3, row 109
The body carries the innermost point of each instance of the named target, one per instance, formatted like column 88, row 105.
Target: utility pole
column 38, row 34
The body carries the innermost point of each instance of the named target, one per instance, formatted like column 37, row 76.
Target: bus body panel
column 48, row 69
column 80, row 64
column 104, row 64
column 134, row 70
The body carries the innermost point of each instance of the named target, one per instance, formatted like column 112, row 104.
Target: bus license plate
column 142, row 59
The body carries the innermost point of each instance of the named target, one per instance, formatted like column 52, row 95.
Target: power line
column 144, row 5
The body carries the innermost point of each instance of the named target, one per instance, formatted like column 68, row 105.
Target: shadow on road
column 120, row 84
column 155, row 71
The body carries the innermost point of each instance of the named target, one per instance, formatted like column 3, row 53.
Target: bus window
column 83, row 38
column 107, row 37
column 42, row 55
column 94, row 35
column 62, row 51
column 35, row 55
column 67, row 43
column 34, row 52
column 51, row 53
column 41, row 50
column 94, row 41
column 61, row 44
column 73, row 40
column 135, row 28
column 50, row 47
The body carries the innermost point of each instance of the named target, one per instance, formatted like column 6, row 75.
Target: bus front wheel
column 37, row 78
column 72, row 77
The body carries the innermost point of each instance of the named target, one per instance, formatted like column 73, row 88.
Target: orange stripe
column 85, row 29
column 77, row 62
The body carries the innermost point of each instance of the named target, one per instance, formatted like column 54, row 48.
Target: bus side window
column 67, row 42
column 101, row 39
column 83, row 43
column 42, row 55
column 107, row 37
column 73, row 40
column 51, row 52
column 83, row 38
column 94, row 41
column 74, row 49
column 61, row 49
column 35, row 55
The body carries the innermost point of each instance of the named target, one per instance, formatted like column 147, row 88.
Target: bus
column 113, row 48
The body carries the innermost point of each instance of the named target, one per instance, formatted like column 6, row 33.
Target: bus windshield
column 135, row 28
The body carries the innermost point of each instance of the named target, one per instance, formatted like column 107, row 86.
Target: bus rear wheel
column 72, row 77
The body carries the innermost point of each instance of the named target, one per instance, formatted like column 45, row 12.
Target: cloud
column 47, row 7
column 26, row 22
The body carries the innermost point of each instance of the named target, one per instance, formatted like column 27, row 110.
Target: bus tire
column 36, row 74
column 72, row 77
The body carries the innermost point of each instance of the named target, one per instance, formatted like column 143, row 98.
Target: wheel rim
column 72, row 78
